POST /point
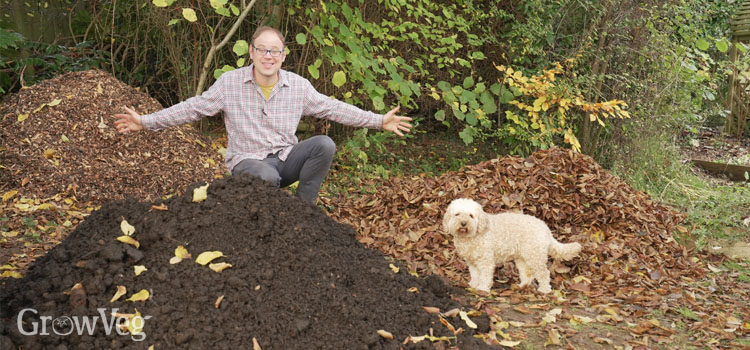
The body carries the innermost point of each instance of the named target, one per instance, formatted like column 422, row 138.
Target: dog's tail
column 564, row 251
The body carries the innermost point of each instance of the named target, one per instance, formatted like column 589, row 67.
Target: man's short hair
column 263, row 29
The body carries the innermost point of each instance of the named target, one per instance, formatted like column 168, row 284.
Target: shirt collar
column 283, row 76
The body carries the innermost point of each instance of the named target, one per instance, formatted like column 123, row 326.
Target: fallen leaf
column 139, row 269
column 121, row 290
column 413, row 290
column 206, row 257
column 143, row 295
column 129, row 240
column 431, row 309
column 49, row 153
column 54, row 102
column 394, row 268
column 714, row 268
column 135, row 323
column 14, row 274
column 553, row 338
column 466, row 319
column 256, row 346
column 22, row 117
column 64, row 138
column 8, row 195
column 175, row 260
column 159, row 207
column 218, row 301
column 510, row 344
column 451, row 313
column 551, row 315
column 385, row 334
column 150, row 347
column 127, row 228
column 601, row 340
column 218, row 267
column 74, row 288
column 182, row 253
column 200, row 194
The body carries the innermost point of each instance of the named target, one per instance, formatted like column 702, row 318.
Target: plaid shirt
column 256, row 127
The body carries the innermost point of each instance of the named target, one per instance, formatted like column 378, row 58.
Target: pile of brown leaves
column 627, row 237
column 58, row 137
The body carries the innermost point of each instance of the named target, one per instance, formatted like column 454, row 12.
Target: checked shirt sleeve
column 322, row 106
column 210, row 103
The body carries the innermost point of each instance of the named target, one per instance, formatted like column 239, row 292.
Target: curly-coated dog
column 485, row 240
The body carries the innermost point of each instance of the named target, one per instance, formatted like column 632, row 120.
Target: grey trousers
column 309, row 162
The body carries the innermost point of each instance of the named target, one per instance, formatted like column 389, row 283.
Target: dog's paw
column 544, row 289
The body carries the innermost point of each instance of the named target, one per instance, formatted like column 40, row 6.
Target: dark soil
column 299, row 280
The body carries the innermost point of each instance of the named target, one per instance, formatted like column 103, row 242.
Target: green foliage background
column 435, row 58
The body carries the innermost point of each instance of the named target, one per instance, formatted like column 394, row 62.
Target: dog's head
column 464, row 218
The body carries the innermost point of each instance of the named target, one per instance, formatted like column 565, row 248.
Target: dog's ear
column 447, row 218
column 483, row 221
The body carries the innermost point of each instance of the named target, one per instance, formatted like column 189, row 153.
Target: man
column 262, row 107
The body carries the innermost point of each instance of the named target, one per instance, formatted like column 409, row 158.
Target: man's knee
column 258, row 169
column 324, row 145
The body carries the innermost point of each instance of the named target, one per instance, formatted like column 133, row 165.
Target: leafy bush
column 26, row 62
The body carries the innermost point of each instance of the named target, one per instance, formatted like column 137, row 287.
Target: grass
column 711, row 207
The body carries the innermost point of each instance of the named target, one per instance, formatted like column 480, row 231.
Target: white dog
column 485, row 240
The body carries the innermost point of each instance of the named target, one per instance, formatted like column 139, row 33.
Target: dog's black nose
column 463, row 223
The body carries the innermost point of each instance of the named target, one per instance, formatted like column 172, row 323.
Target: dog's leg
column 523, row 272
column 474, row 274
column 484, row 277
column 541, row 274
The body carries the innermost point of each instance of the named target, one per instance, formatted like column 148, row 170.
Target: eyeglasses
column 261, row 51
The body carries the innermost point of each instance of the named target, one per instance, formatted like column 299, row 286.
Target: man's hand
column 128, row 122
column 395, row 123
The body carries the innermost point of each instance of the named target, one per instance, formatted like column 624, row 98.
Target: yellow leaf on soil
column 218, row 267
column 14, row 274
column 121, row 290
column 218, row 301
column 175, row 260
column 139, row 269
column 256, row 346
column 200, row 194
column 8, row 195
column 64, row 138
column 22, row 117
column 182, row 253
column 140, row 296
column 129, row 240
column 127, row 228
column 394, row 268
column 466, row 319
column 135, row 323
column 385, row 334
column 206, row 257
column 54, row 102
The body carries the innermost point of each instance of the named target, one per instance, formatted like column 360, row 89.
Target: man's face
column 265, row 64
